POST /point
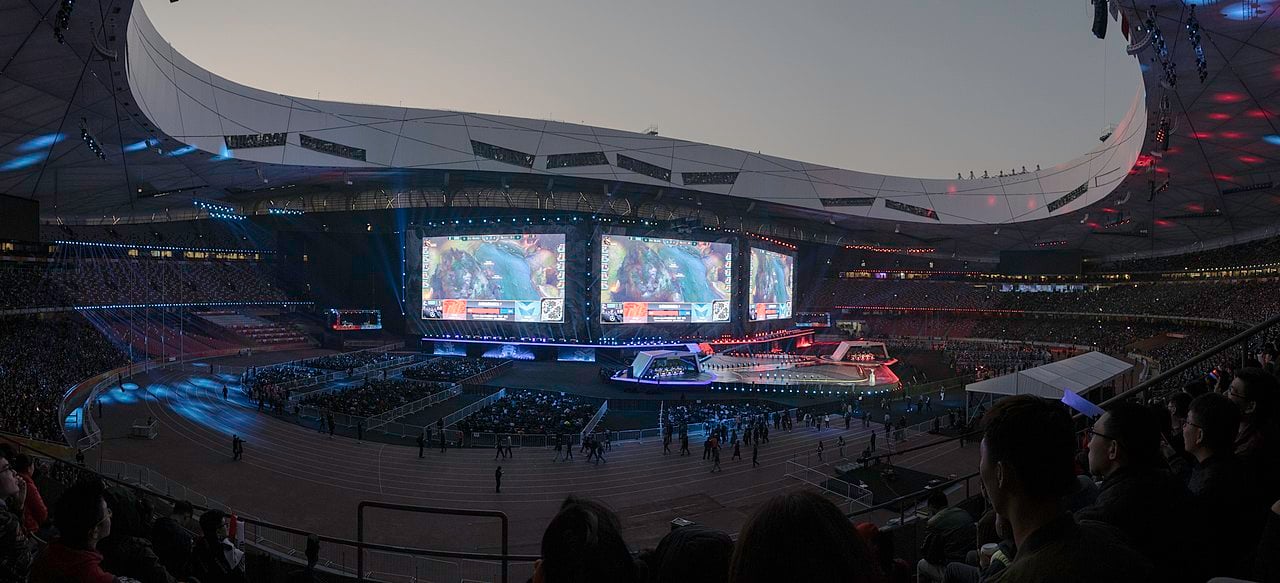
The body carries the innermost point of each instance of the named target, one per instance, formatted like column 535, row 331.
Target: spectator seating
column 256, row 330
column 42, row 358
column 373, row 397
column 449, row 369
column 533, row 413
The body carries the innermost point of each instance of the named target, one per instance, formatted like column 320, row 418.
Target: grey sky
column 915, row 88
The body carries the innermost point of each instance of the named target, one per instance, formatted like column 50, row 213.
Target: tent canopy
column 1078, row 374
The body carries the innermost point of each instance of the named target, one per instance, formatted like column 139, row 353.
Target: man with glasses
column 1225, row 500
column 15, row 548
column 1258, row 438
column 1026, row 464
column 216, row 559
column 83, row 519
column 1137, row 493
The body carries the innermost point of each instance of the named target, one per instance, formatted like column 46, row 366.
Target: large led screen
column 647, row 280
column 772, row 282
column 506, row 278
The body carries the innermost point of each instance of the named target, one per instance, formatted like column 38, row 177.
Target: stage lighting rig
column 1162, row 50
column 1193, row 34
column 218, row 210
column 283, row 211
column 91, row 141
column 62, row 20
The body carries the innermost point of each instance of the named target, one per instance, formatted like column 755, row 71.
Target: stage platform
column 585, row 379
column 793, row 370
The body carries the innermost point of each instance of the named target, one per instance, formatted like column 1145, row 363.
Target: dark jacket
column 954, row 534
column 1227, row 506
column 1144, row 505
column 1065, row 551
column 690, row 553
column 209, row 564
column 15, row 547
column 172, row 544
column 131, row 556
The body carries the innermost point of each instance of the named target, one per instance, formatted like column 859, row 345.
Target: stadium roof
column 169, row 131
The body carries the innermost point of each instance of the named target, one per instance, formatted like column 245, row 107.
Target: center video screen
column 772, row 283
column 645, row 280
column 505, row 278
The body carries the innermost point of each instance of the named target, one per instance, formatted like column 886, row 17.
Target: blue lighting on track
column 183, row 151
column 1272, row 139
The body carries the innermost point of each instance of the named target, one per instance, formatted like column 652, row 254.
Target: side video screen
column 645, row 280
column 772, row 284
column 511, row 278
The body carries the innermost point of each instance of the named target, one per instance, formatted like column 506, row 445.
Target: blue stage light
column 24, row 161
column 41, row 142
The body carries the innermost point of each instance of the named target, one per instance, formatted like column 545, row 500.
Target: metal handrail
column 1209, row 353
column 1139, row 388
column 361, row 546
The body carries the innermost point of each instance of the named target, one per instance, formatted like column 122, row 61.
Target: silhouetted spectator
column 583, row 544
column 1258, row 438
column 215, row 559
column 1227, row 505
column 172, row 542
column 34, row 512
column 1026, row 465
column 690, row 553
column 1137, row 492
column 880, row 546
column 126, row 552
column 800, row 536
column 308, row 574
column 15, row 547
column 83, row 519
column 948, row 536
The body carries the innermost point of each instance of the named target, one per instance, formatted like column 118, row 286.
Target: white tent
column 1078, row 374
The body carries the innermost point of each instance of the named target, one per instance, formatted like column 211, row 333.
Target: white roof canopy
column 1078, row 374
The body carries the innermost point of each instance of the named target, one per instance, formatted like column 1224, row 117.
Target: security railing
column 453, row 418
column 306, row 382
column 851, row 494
column 387, row 563
column 382, row 422
column 407, row 409
column 595, row 419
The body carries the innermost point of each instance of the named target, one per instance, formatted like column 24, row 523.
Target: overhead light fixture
column 62, row 20
column 91, row 141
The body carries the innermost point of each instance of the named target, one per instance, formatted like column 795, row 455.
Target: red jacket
column 34, row 512
column 62, row 564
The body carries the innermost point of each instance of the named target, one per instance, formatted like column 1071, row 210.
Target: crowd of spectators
column 1241, row 301
column 42, row 357
column 372, row 397
column 121, row 280
column 263, row 377
column 349, row 360
column 684, row 413
column 990, row 360
column 1259, row 252
column 1182, row 490
column 528, row 412
column 193, row 234
column 449, row 369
